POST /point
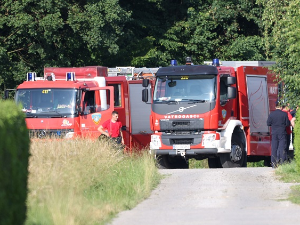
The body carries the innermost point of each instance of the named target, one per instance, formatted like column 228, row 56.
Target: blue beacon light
column 216, row 62
column 173, row 62
column 31, row 76
column 70, row 76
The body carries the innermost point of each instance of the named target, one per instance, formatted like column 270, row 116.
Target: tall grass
column 288, row 173
column 85, row 181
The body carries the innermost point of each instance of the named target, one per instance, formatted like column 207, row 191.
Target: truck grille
column 40, row 133
column 182, row 141
column 182, row 124
column 177, row 139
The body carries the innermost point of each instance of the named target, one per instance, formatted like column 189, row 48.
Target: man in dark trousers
column 278, row 120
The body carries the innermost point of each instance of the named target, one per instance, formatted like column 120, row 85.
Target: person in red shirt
column 288, row 128
column 112, row 128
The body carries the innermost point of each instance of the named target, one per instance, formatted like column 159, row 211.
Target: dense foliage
column 14, row 157
column 282, row 38
column 297, row 142
column 150, row 33
column 35, row 34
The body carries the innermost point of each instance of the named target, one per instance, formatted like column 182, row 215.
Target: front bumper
column 209, row 151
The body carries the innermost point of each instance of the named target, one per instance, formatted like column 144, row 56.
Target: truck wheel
column 237, row 157
column 214, row 162
column 168, row 162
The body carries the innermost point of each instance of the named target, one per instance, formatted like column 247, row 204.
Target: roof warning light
column 31, row 76
column 70, row 76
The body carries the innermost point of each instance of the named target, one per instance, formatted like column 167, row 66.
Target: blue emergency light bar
column 173, row 62
column 70, row 76
column 31, row 76
column 216, row 62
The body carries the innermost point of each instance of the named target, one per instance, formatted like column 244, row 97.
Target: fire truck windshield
column 51, row 101
column 196, row 88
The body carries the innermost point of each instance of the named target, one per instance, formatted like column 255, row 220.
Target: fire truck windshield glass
column 199, row 88
column 50, row 101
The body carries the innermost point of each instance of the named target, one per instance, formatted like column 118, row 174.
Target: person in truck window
column 278, row 121
column 112, row 128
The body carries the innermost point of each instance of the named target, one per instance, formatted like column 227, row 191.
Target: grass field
column 89, row 182
column 85, row 182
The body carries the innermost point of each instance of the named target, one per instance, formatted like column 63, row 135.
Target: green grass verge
column 85, row 182
column 289, row 174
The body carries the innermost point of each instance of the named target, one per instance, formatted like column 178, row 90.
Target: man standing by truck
column 278, row 120
column 112, row 128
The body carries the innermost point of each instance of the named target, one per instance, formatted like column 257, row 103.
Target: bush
column 297, row 142
column 14, row 154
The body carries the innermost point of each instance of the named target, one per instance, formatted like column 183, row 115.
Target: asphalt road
column 235, row 196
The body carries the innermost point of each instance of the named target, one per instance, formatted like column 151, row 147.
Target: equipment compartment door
column 140, row 111
column 258, row 103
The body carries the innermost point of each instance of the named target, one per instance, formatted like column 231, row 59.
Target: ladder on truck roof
column 236, row 64
column 133, row 73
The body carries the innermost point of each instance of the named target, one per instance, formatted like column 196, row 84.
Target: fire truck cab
column 70, row 102
column 212, row 111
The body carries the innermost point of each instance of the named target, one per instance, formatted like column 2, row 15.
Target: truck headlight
column 69, row 135
column 155, row 142
column 208, row 140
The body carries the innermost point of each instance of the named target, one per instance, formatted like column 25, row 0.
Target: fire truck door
column 258, row 103
column 94, row 112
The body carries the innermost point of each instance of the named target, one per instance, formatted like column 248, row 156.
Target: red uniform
column 288, row 128
column 113, row 128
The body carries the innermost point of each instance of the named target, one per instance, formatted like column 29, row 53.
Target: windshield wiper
column 56, row 116
column 196, row 101
column 191, row 101
column 172, row 102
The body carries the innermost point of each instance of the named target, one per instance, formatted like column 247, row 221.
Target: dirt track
column 216, row 196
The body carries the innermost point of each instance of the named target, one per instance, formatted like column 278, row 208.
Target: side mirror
column 145, row 82
column 231, row 80
column 231, row 92
column 145, row 96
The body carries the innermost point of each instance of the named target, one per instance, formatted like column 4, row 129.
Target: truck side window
column 117, row 95
column 89, row 102
column 223, row 91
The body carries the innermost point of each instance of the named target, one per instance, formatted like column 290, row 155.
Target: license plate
column 181, row 146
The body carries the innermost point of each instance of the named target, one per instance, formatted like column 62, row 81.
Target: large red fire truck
column 211, row 111
column 73, row 102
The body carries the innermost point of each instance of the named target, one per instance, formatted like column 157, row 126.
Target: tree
column 282, row 36
column 230, row 30
column 35, row 34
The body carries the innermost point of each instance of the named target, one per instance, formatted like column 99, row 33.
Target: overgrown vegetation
column 14, row 154
column 85, row 181
column 54, row 33
column 289, row 173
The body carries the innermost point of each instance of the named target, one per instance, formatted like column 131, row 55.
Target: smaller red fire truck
column 71, row 102
column 216, row 111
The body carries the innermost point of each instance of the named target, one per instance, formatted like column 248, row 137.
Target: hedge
column 14, row 155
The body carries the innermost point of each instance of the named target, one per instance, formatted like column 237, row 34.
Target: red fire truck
column 73, row 102
column 214, row 111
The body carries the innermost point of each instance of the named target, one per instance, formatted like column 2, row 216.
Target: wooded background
column 147, row 33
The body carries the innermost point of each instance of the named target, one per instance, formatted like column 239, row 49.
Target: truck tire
column 238, row 157
column 168, row 162
column 214, row 162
